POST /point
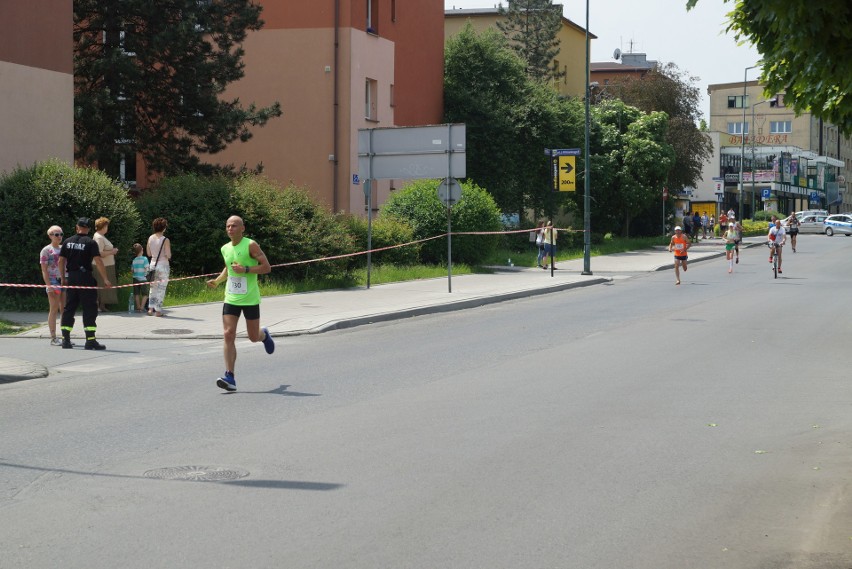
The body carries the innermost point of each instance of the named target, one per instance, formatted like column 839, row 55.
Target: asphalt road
column 635, row 424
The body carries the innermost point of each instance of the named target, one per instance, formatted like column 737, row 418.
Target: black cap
column 84, row 222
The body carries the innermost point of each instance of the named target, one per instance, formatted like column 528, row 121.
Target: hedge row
column 287, row 223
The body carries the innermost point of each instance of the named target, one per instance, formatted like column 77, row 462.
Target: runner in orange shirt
column 679, row 244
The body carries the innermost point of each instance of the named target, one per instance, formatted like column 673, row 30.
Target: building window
column 373, row 16
column 127, row 169
column 392, row 101
column 393, row 10
column 370, row 95
column 737, row 128
column 780, row 127
column 737, row 101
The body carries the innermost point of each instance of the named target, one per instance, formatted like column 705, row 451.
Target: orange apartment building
column 337, row 66
column 36, row 83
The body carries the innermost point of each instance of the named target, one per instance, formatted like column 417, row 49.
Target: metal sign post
column 563, row 163
column 449, row 192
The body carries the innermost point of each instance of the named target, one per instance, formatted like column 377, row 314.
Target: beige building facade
column 571, row 59
column 36, row 83
column 771, row 159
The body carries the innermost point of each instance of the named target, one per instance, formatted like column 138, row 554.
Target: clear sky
column 695, row 41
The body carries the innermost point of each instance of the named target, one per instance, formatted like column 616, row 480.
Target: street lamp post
column 752, row 157
column 587, row 219
column 743, row 135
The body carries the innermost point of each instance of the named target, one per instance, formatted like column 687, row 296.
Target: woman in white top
column 160, row 251
column 105, row 295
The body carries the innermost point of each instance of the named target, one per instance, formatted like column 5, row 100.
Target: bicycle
column 773, row 252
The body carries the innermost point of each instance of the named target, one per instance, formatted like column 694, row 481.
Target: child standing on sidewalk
column 140, row 271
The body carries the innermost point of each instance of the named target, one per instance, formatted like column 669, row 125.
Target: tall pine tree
column 531, row 27
column 149, row 78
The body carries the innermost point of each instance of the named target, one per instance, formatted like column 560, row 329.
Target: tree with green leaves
column 510, row 120
column 629, row 165
column 531, row 26
column 805, row 46
column 150, row 76
column 674, row 92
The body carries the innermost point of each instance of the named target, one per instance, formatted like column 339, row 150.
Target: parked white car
column 808, row 223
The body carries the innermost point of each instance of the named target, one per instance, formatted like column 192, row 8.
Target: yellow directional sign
column 566, row 173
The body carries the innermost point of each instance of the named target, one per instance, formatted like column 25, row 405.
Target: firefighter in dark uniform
column 75, row 261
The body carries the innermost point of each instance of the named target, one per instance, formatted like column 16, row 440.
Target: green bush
column 418, row 205
column 196, row 208
column 288, row 225
column 387, row 231
column 762, row 215
column 291, row 227
column 54, row 193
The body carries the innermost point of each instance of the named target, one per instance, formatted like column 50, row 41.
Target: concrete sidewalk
column 316, row 312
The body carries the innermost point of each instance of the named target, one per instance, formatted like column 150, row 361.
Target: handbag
column 152, row 273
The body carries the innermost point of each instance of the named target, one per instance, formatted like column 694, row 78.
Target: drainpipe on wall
column 336, row 105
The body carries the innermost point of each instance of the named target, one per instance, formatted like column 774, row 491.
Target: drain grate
column 197, row 473
column 171, row 331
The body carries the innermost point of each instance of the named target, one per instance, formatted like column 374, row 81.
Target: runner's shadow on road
column 280, row 390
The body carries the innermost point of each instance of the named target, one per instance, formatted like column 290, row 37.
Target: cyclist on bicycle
column 777, row 238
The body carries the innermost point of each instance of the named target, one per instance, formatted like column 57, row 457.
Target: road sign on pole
column 449, row 193
column 407, row 153
column 564, row 164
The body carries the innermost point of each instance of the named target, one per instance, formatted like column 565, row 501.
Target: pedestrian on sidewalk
column 139, row 268
column 723, row 223
column 696, row 226
column 539, row 242
column 106, row 296
column 680, row 245
column 160, row 252
column 705, row 222
column 75, row 268
column 712, row 227
column 549, row 245
column 244, row 260
column 49, row 261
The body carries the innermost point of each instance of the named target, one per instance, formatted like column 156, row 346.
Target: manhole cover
column 172, row 331
column 200, row 473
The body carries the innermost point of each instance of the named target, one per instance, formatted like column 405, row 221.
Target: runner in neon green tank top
column 244, row 260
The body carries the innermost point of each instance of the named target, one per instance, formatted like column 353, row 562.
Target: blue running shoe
column 227, row 382
column 268, row 343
